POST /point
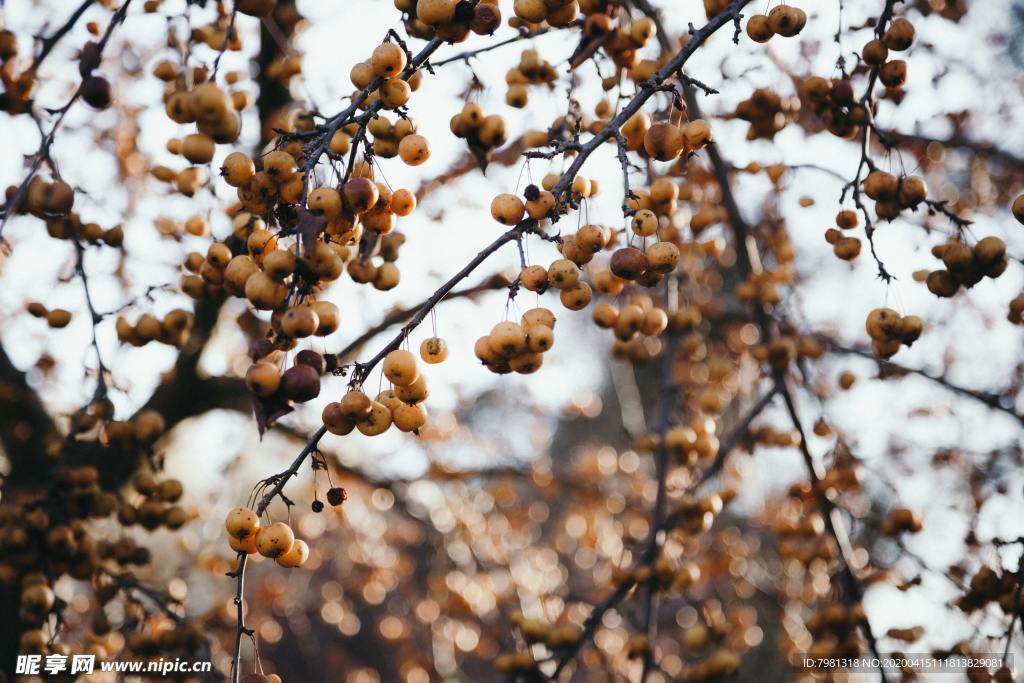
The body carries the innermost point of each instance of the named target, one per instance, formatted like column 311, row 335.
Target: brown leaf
column 268, row 410
column 367, row 243
column 480, row 153
column 309, row 228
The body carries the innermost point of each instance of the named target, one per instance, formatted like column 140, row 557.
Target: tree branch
column 402, row 315
column 833, row 519
column 560, row 190
column 522, row 35
column 50, row 42
column 43, row 153
column 666, row 397
column 993, row 401
column 958, row 141
column 739, row 432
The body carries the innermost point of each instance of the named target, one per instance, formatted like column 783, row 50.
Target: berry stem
column 523, row 35
column 240, row 616
column 697, row 38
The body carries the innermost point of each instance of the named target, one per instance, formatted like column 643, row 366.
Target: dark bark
column 25, row 428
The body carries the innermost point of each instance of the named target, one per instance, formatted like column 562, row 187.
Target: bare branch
column 50, row 42
column 993, row 401
column 833, row 519
column 523, row 34
column 43, row 153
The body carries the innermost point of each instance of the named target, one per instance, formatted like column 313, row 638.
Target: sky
column 970, row 330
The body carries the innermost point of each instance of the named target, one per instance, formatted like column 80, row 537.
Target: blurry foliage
column 628, row 536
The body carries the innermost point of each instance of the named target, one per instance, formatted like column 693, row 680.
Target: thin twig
column 51, row 41
column 866, row 163
column 241, row 630
column 522, row 35
column 739, row 432
column 43, row 153
column 833, row 519
column 400, row 316
column 993, row 401
column 94, row 317
column 627, row 193
column 666, row 398
column 133, row 585
column 224, row 45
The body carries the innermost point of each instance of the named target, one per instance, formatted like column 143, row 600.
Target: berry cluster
column 449, row 20
column 173, row 328
column 480, row 131
column 783, row 20
column 767, row 113
column 889, row 330
column 966, row 266
column 401, row 406
column 518, row 347
column 276, row 541
column 531, row 70
column 156, row 506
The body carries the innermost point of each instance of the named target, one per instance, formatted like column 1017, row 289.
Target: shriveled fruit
column 664, row 141
column 628, row 263
column 335, row 420
column 434, row 350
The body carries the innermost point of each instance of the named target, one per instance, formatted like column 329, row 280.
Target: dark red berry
column 486, row 20
column 89, row 58
column 300, row 383
column 842, row 92
column 337, row 496
column 312, row 359
column 96, row 92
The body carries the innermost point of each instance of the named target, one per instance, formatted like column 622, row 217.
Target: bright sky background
column 970, row 330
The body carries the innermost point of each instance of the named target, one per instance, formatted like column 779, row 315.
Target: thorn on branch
column 557, row 149
column 939, row 206
column 689, row 80
column 394, row 35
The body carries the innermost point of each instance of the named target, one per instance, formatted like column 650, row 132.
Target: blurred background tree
column 745, row 445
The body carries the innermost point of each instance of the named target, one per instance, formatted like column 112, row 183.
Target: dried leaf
column 309, row 228
column 268, row 410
